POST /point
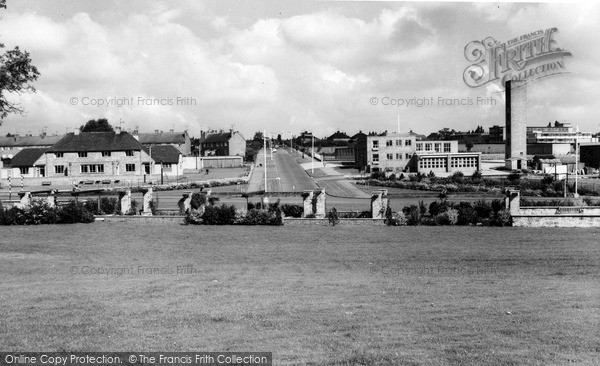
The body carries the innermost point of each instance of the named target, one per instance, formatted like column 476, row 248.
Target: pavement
column 284, row 174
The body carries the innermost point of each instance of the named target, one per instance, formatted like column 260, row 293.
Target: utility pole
column 313, row 153
column 265, row 157
column 576, row 160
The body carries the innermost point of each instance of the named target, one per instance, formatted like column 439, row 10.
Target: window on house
column 130, row 167
column 428, row 146
column 375, row 143
column 129, row 153
column 407, row 156
column 60, row 155
column 389, row 156
column 398, row 142
column 438, row 147
column 419, row 146
column 375, row 157
column 389, row 143
column 399, row 156
column 446, row 147
column 59, row 169
column 106, row 153
column 82, row 154
column 24, row 170
column 407, row 142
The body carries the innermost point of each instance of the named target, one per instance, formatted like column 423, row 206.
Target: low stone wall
column 292, row 221
column 573, row 220
column 178, row 220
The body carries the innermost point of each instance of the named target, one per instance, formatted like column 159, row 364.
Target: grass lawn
column 324, row 296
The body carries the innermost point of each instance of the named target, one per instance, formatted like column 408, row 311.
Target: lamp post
column 312, row 154
column 265, row 157
column 576, row 163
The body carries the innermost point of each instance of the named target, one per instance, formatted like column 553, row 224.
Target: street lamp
column 576, row 164
column 265, row 156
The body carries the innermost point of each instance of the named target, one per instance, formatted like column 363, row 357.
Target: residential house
column 24, row 164
column 96, row 154
column 181, row 140
column 222, row 143
column 168, row 160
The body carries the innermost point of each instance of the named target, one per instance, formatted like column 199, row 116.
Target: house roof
column 162, row 138
column 329, row 150
column 29, row 141
column 167, row 154
column 27, row 157
column 96, row 141
column 217, row 137
column 338, row 135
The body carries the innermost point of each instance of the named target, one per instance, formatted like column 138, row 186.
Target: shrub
column 476, row 176
column 414, row 214
column 392, row 176
column 292, row 210
column 457, row 177
column 219, row 215
column 466, row 214
column 74, row 212
column 449, row 217
column 259, row 217
column 198, row 199
column 332, row 216
column 502, row 218
column 483, row 209
column 514, row 176
column 397, row 219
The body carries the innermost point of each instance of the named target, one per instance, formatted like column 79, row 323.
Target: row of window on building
column 441, row 163
column 434, row 146
column 391, row 143
column 389, row 156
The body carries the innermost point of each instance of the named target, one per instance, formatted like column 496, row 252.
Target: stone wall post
column 379, row 203
column 513, row 201
column 125, row 198
column 147, row 201
column 187, row 202
column 51, row 199
column 308, row 207
column 320, row 210
column 25, row 199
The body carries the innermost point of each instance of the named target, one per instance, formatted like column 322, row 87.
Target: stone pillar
column 320, row 211
column 25, row 199
column 125, row 199
column 187, row 202
column 265, row 202
column 308, row 207
column 513, row 201
column 379, row 203
column 147, row 200
column 51, row 199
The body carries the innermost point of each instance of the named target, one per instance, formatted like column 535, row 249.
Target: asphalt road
column 284, row 174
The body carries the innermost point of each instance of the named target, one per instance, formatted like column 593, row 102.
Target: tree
column 16, row 76
column 97, row 125
column 279, row 139
column 258, row 136
column 469, row 145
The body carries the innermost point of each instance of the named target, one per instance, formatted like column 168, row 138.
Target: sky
column 288, row 66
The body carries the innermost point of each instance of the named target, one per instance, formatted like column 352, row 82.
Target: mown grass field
column 312, row 296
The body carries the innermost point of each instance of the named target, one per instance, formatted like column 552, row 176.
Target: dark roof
column 168, row 154
column 162, row 138
column 27, row 157
column 217, row 137
column 96, row 141
column 338, row 135
column 29, row 140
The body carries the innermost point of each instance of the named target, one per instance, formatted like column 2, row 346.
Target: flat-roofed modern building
column 402, row 152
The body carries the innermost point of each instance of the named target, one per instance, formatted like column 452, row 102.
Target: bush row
column 39, row 212
column 211, row 214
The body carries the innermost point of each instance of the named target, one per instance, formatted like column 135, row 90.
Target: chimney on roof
column 156, row 131
column 76, row 131
column 171, row 130
column 136, row 135
column 118, row 130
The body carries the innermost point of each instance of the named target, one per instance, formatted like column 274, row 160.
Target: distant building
column 222, row 143
column 25, row 163
column 339, row 137
column 91, row 154
column 400, row 152
column 359, row 143
column 181, row 140
column 167, row 159
column 10, row 146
